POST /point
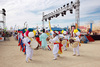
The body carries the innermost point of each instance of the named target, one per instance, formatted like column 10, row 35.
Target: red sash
column 60, row 45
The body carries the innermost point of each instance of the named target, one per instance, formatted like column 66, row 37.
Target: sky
column 20, row 11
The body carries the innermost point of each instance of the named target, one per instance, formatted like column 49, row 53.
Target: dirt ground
column 11, row 56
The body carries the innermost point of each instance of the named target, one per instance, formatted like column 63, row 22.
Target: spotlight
column 49, row 18
column 53, row 15
column 71, row 11
column 67, row 4
column 4, row 12
column 74, row 6
column 45, row 19
column 64, row 12
column 63, row 5
column 71, row 2
column 57, row 15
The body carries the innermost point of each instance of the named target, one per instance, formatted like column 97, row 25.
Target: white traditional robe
column 29, row 50
column 56, row 46
column 64, row 45
column 77, row 48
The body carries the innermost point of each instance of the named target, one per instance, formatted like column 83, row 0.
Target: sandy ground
column 11, row 56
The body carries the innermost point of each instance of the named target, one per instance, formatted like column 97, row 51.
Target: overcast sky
column 20, row 11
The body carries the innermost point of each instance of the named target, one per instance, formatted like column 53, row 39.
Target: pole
column 49, row 25
column 4, row 20
column 77, row 12
column 91, row 26
column 27, row 26
column 43, row 20
column 37, row 27
column 24, row 24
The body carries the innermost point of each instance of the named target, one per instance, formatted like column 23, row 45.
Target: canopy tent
column 55, row 29
column 65, row 29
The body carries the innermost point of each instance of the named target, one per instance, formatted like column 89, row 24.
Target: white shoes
column 26, row 61
column 54, row 58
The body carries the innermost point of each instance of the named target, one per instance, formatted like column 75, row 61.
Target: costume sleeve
column 53, row 40
column 26, row 42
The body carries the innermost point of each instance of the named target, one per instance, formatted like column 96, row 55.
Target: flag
column 76, row 25
column 49, row 25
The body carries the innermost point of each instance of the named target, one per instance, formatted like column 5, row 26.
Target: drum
column 33, row 43
column 75, row 44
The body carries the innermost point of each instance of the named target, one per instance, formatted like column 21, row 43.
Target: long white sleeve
column 54, row 39
column 26, row 42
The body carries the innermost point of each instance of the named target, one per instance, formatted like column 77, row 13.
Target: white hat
column 31, row 34
column 51, row 32
column 64, row 32
column 57, row 32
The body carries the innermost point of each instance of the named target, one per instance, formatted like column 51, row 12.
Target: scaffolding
column 4, row 17
column 63, row 10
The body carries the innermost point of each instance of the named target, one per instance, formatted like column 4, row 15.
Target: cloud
column 20, row 11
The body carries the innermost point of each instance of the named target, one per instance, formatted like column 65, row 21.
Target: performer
column 29, row 50
column 38, row 40
column 43, row 37
column 20, row 37
column 24, row 46
column 77, row 48
column 56, row 42
column 65, row 38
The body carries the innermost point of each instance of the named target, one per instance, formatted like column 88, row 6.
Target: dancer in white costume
column 65, row 38
column 29, row 50
column 77, row 48
column 56, row 41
